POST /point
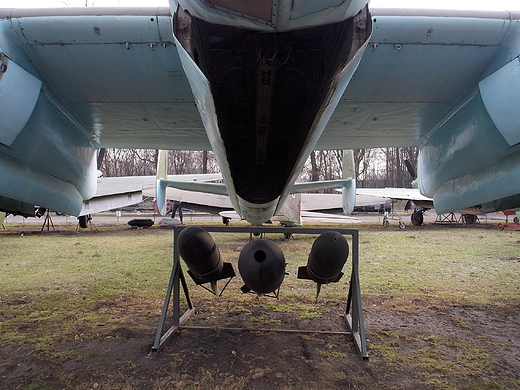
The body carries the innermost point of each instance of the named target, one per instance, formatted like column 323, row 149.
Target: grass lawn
column 69, row 301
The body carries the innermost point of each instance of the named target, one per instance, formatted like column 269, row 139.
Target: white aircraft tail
column 162, row 174
column 348, row 193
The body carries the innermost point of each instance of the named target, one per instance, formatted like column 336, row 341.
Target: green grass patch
column 56, row 289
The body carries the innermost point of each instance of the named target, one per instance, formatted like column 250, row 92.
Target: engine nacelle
column 262, row 266
column 328, row 255
column 201, row 255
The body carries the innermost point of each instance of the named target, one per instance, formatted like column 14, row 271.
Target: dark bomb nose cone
column 262, row 266
column 200, row 253
column 328, row 255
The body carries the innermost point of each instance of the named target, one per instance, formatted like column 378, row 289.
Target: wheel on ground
column 470, row 219
column 83, row 221
column 401, row 225
column 417, row 218
column 386, row 223
column 501, row 226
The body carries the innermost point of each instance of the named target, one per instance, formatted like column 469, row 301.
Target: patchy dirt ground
column 414, row 343
column 407, row 351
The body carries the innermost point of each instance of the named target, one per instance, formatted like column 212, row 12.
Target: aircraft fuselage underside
column 271, row 92
column 264, row 108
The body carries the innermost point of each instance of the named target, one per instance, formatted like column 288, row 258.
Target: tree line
column 375, row 168
column 143, row 162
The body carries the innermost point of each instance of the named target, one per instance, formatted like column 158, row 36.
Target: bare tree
column 384, row 167
column 388, row 168
column 374, row 167
column 143, row 162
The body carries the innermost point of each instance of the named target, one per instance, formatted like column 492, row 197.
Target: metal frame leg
column 355, row 320
column 47, row 221
column 173, row 294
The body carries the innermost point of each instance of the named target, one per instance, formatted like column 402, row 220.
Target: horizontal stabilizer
column 320, row 185
column 210, row 188
column 412, row 194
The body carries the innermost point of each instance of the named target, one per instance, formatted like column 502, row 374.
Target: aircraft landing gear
column 385, row 221
column 469, row 219
column 417, row 217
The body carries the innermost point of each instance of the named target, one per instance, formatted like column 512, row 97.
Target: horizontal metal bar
column 236, row 330
column 269, row 229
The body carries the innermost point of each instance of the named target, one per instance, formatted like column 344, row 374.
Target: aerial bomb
column 328, row 255
column 262, row 266
column 201, row 255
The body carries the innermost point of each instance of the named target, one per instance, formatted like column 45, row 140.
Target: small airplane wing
column 118, row 185
column 299, row 188
column 412, row 194
column 208, row 188
column 117, row 192
column 312, row 217
column 305, row 217
column 408, row 194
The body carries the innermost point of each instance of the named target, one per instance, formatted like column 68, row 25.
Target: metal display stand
column 353, row 311
column 47, row 221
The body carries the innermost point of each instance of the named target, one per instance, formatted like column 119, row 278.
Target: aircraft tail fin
column 348, row 193
column 162, row 164
column 162, row 174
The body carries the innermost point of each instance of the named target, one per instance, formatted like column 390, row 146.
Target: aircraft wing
column 203, row 201
column 303, row 187
column 408, row 194
column 119, row 73
column 118, row 185
column 117, row 192
column 116, row 70
column 412, row 194
column 312, row 217
column 332, row 203
column 418, row 65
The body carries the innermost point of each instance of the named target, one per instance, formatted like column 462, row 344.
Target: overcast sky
column 449, row 4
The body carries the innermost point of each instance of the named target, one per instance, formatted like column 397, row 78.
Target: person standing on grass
column 177, row 206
